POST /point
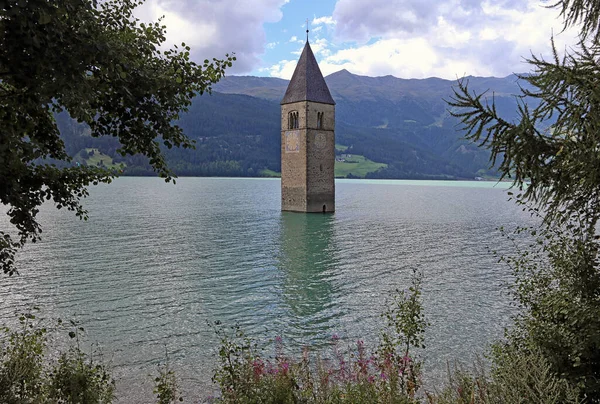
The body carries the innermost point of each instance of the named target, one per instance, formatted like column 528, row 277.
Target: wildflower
column 258, row 366
column 371, row 379
column 284, row 367
column 278, row 339
column 383, row 376
column 271, row 369
column 335, row 337
column 363, row 366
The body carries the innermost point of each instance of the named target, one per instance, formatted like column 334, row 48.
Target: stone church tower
column 307, row 140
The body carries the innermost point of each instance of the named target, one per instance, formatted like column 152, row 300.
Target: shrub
column 166, row 386
column 27, row 376
column 21, row 362
column 389, row 374
column 518, row 377
column 514, row 378
column 557, row 286
column 76, row 378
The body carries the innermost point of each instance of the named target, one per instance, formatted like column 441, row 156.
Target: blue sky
column 288, row 35
column 403, row 38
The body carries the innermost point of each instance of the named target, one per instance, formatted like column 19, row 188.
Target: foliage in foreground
column 166, row 387
column 389, row 374
column 27, row 376
column 557, row 286
column 30, row 374
column 515, row 378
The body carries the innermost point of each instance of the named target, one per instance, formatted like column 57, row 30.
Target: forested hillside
column 401, row 123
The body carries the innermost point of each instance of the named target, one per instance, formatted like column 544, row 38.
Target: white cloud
column 488, row 34
column 214, row 28
column 403, row 58
column 320, row 47
column 284, row 69
column 424, row 38
column 327, row 20
column 406, row 38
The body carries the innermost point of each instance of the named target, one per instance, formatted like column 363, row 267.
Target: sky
column 402, row 38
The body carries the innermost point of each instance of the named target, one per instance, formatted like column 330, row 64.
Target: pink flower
column 335, row 337
column 258, row 367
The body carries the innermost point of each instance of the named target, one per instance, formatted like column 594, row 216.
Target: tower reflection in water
column 307, row 263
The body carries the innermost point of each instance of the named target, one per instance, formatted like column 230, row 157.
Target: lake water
column 156, row 261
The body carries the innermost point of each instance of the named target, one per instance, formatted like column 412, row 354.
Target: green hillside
column 94, row 157
column 352, row 165
column 399, row 128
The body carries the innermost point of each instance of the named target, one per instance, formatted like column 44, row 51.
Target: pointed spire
column 307, row 83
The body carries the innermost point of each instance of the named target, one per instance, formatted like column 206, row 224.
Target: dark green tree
column 554, row 147
column 96, row 61
column 552, row 153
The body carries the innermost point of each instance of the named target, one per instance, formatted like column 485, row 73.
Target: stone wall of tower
column 320, row 158
column 293, row 164
column 307, row 174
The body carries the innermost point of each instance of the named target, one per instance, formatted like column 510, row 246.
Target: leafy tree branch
column 104, row 67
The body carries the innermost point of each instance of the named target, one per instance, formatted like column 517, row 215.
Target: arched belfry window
column 319, row 120
column 293, row 120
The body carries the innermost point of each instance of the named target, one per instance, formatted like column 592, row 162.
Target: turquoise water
column 155, row 262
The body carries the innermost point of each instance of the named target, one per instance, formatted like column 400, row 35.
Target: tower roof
column 307, row 83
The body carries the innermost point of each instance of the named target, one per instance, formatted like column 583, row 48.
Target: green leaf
column 44, row 19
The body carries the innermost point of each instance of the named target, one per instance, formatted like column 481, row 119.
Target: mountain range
column 404, row 124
